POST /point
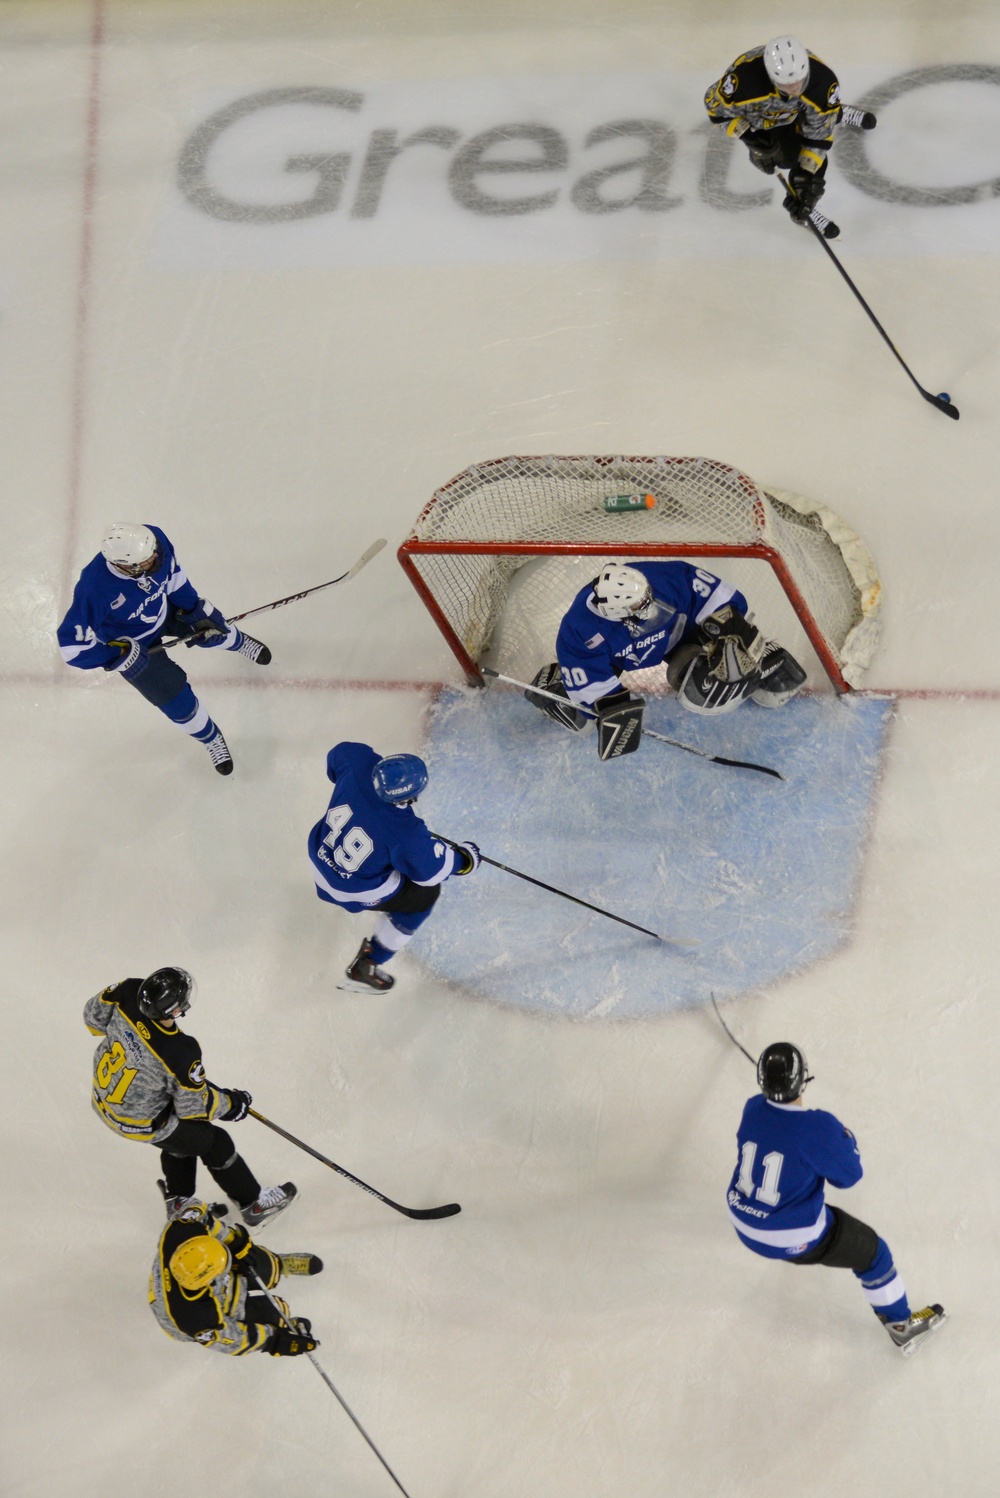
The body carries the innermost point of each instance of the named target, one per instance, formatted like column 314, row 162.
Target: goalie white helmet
column 620, row 592
column 128, row 546
column 787, row 64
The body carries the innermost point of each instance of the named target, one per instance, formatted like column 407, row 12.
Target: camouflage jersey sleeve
column 215, row 1316
column 147, row 1076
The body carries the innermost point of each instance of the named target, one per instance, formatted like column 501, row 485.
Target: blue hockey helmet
column 399, row 778
column 782, row 1072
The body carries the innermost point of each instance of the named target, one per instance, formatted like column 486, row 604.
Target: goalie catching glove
column 725, row 667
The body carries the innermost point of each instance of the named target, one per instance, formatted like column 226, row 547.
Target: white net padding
column 505, row 607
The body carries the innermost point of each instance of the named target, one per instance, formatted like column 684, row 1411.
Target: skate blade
column 354, row 985
column 914, row 1347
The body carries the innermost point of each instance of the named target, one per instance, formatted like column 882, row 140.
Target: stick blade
column 426, row 1214
column 366, row 556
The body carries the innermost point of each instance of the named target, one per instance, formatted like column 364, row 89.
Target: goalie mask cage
column 498, row 554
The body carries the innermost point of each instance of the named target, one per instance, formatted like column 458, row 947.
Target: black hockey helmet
column 167, row 990
column 782, row 1072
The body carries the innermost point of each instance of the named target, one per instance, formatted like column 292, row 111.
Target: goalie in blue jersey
column 131, row 594
column 372, row 852
column 642, row 614
column 785, row 1156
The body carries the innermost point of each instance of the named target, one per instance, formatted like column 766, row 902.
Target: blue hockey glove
column 204, row 625
column 470, row 857
column 133, row 659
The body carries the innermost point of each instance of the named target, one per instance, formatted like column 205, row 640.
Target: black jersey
column 147, row 1076
column 216, row 1315
column 745, row 93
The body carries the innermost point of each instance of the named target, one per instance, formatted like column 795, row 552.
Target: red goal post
column 498, row 553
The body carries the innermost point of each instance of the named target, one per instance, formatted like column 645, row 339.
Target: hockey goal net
column 499, row 552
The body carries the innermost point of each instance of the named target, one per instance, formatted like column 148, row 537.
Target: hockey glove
column 806, row 190
column 729, row 624
column 239, row 1105
column 132, row 662
column 204, row 625
column 619, row 725
column 286, row 1343
column 549, row 678
column 470, row 857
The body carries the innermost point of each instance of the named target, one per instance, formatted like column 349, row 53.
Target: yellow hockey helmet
column 198, row 1261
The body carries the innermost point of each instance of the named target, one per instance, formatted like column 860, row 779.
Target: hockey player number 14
column 350, row 848
column 767, row 1191
column 109, row 1065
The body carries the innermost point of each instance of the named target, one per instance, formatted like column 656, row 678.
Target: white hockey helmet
column 128, row 546
column 620, row 592
column 787, row 64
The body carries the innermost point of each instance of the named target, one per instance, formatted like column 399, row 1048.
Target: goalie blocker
column 618, row 717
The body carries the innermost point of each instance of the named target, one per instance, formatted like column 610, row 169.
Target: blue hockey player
column 131, row 594
column 641, row 614
column 786, row 1154
column 372, row 852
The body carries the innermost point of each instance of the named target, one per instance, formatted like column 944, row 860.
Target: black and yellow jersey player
column 784, row 103
column 208, row 1286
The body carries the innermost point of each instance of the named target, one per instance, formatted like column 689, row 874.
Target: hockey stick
column 263, row 608
column 330, row 1385
column 940, row 402
column 729, row 1032
column 718, row 759
column 675, row 941
column 422, row 1213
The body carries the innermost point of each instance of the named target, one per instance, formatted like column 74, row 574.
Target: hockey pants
column 194, row 1140
column 400, row 917
column 850, row 1243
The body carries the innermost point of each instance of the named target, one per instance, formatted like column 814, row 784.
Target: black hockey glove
column 284, row 1343
column 807, row 189
column 470, row 857
column 132, row 661
column 728, row 623
column 239, row 1105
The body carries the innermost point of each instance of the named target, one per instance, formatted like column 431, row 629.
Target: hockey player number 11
column 111, row 1063
column 767, row 1191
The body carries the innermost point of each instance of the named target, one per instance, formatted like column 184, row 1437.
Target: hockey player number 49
column 350, row 848
column 767, row 1191
column 109, row 1065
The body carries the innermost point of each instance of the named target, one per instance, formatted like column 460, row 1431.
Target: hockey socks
column 883, row 1288
column 187, row 712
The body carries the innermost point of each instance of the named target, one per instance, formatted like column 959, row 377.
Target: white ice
column 588, row 1325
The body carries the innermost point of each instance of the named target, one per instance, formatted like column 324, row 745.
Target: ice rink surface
column 181, row 343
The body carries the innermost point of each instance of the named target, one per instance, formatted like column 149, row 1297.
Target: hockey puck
column 944, row 396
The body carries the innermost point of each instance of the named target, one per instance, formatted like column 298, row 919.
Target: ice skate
column 253, row 650
column 363, row 976
column 218, row 753
column 300, row 1264
column 272, row 1200
column 907, row 1335
column 857, row 119
column 177, row 1205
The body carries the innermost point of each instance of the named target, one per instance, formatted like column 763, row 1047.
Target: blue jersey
column 363, row 848
column 107, row 605
column 785, row 1154
column 592, row 652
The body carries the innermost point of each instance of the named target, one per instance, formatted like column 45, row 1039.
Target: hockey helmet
column 399, row 779
column 782, row 1072
column 620, row 592
column 787, row 64
column 166, row 992
column 199, row 1261
column 129, row 547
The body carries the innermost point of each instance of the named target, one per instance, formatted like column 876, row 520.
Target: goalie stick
column 363, row 560
column 420, row 1213
column 718, row 759
column 289, row 1323
column 674, row 941
column 940, row 402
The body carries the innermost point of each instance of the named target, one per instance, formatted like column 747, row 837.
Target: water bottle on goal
column 616, row 502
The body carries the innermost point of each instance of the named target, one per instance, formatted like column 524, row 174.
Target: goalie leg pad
column 781, row 677
column 619, row 725
column 549, row 678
